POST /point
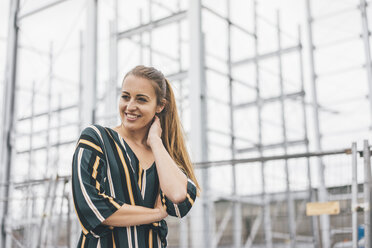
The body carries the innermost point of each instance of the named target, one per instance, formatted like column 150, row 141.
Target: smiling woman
column 128, row 178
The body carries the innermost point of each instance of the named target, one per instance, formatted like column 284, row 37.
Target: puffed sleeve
column 180, row 209
column 92, row 204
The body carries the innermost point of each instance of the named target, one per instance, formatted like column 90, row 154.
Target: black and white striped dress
column 106, row 174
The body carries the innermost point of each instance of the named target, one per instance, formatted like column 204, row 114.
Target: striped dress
column 105, row 175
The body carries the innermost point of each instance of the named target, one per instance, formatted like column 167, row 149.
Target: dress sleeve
column 92, row 204
column 180, row 209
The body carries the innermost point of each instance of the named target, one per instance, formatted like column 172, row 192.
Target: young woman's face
column 138, row 103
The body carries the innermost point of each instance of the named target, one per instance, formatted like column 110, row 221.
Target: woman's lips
column 132, row 117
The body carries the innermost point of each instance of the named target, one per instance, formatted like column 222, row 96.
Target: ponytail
column 173, row 137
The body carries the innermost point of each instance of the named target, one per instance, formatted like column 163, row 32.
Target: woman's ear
column 160, row 107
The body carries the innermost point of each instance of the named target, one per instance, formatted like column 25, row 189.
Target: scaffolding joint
column 361, row 153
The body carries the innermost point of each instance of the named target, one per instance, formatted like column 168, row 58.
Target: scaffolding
column 243, row 94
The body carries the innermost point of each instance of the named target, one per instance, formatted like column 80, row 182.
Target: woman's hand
column 155, row 130
column 158, row 205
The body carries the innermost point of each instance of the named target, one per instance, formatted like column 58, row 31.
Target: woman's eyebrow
column 138, row 95
column 143, row 95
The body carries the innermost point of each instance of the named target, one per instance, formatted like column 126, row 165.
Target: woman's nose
column 131, row 105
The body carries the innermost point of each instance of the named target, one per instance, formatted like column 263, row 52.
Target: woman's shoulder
column 91, row 139
column 94, row 131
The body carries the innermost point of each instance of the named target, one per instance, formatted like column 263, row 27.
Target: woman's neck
column 138, row 137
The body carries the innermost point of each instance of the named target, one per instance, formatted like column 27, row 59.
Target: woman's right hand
column 158, row 205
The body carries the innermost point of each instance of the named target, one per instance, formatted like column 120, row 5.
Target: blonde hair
column 172, row 132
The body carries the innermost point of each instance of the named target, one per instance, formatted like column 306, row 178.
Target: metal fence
column 277, row 214
column 272, row 215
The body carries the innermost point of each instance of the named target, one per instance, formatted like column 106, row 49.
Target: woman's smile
column 132, row 117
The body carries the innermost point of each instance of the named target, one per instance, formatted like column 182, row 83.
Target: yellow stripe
column 150, row 238
column 98, row 185
column 83, row 242
column 190, row 200
column 95, row 166
column 126, row 174
column 85, row 231
column 111, row 200
column 87, row 142
column 140, row 176
column 113, row 241
column 163, row 202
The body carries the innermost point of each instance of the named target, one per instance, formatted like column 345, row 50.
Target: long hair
column 172, row 131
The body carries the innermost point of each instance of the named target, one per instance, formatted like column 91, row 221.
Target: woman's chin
column 133, row 126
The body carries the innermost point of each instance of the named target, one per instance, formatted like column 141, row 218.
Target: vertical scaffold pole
column 89, row 93
column 354, row 193
column 150, row 32
column 237, row 214
column 141, row 43
column 111, row 98
column 29, row 200
column 184, row 232
column 323, row 195
column 7, row 120
column 200, row 221
column 111, row 87
column 290, row 203
column 265, row 196
column 81, row 78
column 311, row 197
column 367, row 194
column 367, row 52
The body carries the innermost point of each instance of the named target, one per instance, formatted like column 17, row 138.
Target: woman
column 127, row 179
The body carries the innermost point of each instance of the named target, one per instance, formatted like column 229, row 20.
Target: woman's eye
column 142, row 99
column 125, row 97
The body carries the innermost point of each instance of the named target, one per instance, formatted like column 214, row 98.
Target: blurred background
column 274, row 97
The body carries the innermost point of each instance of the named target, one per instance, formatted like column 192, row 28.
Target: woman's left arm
column 173, row 182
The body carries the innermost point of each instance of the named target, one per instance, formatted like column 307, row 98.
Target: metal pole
column 354, row 193
column 141, row 44
column 265, row 196
column 111, row 98
column 49, row 116
column 180, row 66
column 367, row 52
column 8, row 119
column 200, row 221
column 42, row 228
column 323, row 195
column 150, row 32
column 51, row 207
column 367, row 194
column 56, row 233
column 314, row 220
column 184, row 232
column 237, row 215
column 42, row 8
column 29, row 200
column 69, row 223
column 90, row 73
column 81, row 78
column 290, row 203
